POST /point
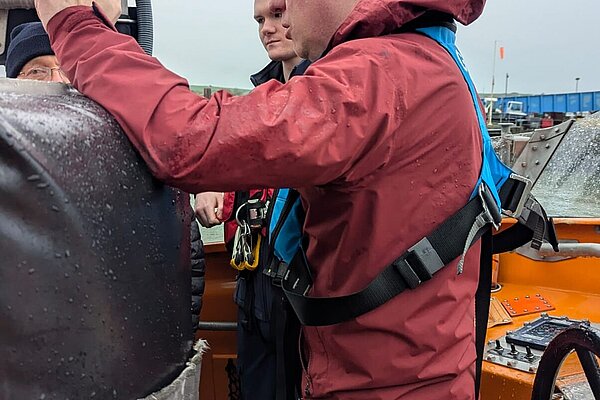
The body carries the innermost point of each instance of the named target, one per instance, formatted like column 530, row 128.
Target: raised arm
column 310, row 131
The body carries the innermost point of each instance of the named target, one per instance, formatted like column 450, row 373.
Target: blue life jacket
column 287, row 239
column 287, row 219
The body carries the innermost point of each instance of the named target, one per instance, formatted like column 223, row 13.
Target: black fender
column 95, row 254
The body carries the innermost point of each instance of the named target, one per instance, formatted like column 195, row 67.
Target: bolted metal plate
column 523, row 349
column 497, row 315
column 516, row 357
column 526, row 304
column 539, row 150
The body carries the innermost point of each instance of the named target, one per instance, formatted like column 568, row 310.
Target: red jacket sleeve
column 311, row 131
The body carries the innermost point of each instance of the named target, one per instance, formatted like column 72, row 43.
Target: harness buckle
column 419, row 263
column 491, row 212
column 523, row 196
column 256, row 214
column 280, row 273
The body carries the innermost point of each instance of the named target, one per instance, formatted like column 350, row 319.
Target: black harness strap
column 419, row 263
column 533, row 223
column 482, row 304
column 287, row 336
column 449, row 241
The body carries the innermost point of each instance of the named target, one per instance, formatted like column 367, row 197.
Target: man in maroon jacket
column 381, row 138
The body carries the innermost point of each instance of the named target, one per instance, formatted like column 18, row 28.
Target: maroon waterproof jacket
column 381, row 139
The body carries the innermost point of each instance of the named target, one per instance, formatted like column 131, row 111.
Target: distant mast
column 491, row 111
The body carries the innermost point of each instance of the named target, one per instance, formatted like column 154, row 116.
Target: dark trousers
column 257, row 361
column 257, row 357
column 268, row 362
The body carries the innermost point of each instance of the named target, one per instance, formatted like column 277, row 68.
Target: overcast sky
column 548, row 43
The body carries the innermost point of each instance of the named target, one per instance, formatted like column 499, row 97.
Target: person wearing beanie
column 30, row 56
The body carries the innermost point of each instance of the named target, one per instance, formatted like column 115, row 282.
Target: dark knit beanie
column 27, row 41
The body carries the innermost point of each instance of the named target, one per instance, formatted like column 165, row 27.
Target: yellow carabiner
column 240, row 266
column 252, row 267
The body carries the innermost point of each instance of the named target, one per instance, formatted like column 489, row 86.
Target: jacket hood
column 372, row 18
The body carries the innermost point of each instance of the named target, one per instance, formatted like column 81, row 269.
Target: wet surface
column 94, row 281
column 569, row 186
column 570, row 183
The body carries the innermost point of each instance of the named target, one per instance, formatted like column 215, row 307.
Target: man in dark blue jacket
column 259, row 312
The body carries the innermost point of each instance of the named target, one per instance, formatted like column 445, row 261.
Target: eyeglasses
column 42, row 73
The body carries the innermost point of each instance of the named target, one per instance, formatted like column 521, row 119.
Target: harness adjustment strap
column 417, row 265
column 490, row 215
column 533, row 225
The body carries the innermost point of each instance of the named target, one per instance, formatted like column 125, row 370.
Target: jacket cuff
column 228, row 205
column 66, row 20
